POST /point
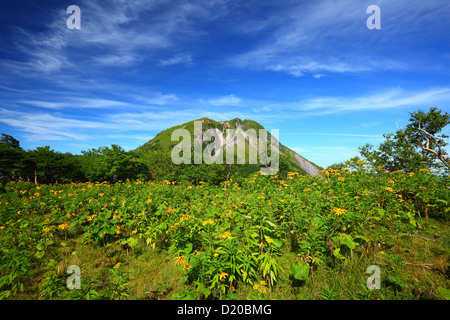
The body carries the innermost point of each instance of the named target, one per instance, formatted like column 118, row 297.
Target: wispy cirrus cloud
column 177, row 59
column 385, row 99
column 112, row 35
column 322, row 37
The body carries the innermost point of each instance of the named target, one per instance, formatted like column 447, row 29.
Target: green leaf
column 300, row 271
column 188, row 248
column 444, row 292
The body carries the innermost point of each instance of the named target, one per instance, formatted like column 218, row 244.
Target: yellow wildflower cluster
column 291, row 175
column 341, row 179
column 173, row 226
column 225, row 235
column 170, row 210
column 181, row 260
column 330, row 172
column 185, row 217
column 338, row 211
column 48, row 228
column 63, row 226
column 261, row 286
column 209, row 221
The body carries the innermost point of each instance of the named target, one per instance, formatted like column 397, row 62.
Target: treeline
column 46, row 166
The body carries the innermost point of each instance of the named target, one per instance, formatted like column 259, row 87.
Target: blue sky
column 311, row 69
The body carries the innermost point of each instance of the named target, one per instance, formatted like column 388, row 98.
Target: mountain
column 161, row 146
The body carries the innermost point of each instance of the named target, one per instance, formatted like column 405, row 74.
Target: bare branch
column 440, row 153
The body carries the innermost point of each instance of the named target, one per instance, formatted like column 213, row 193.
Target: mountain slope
column 162, row 145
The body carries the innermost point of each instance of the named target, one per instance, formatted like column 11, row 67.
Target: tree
column 413, row 147
column 113, row 164
column 51, row 166
column 11, row 157
column 424, row 130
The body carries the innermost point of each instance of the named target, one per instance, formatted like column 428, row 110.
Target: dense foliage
column 264, row 237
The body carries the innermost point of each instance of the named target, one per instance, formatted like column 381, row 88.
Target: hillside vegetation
column 303, row 237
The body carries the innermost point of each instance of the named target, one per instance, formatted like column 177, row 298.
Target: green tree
column 11, row 158
column 50, row 166
column 113, row 164
column 419, row 144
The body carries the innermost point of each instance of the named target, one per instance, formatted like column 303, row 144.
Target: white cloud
column 178, row 59
column 228, row 100
column 328, row 36
column 386, row 99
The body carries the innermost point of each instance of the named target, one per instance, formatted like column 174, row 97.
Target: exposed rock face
column 241, row 133
column 308, row 167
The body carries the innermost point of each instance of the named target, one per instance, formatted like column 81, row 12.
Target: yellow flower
column 149, row 201
column 63, row 226
column 391, row 181
column 307, row 189
column 283, row 200
column 225, row 235
column 180, row 260
column 389, row 189
column 216, row 255
column 223, row 276
column 269, row 240
column 117, row 265
column 189, row 187
column 420, row 187
column 338, row 211
column 101, row 194
column 314, row 184
column 209, row 221
column 170, row 210
column 186, row 266
column 341, row 179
